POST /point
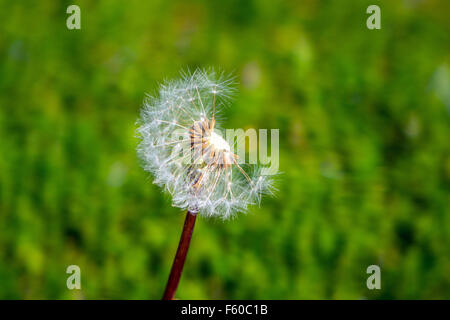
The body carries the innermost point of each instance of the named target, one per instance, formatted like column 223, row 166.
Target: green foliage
column 364, row 129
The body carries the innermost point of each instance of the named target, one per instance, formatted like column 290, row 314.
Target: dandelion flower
column 180, row 147
column 189, row 158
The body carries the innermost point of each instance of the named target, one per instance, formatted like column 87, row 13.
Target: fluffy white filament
column 212, row 186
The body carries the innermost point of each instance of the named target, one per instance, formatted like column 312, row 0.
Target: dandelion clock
column 188, row 157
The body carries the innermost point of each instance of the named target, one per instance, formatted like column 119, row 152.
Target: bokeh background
column 364, row 149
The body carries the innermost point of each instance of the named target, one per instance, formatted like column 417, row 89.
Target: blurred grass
column 364, row 129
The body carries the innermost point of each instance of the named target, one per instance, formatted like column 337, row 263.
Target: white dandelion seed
column 208, row 178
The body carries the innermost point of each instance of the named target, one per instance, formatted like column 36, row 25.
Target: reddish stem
column 180, row 257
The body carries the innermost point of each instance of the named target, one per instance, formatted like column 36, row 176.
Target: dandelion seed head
column 187, row 158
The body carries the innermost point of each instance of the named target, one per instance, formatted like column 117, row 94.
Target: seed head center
column 218, row 142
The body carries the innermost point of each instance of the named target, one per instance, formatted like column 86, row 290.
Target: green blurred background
column 364, row 149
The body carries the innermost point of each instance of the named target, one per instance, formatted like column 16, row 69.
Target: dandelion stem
column 180, row 257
